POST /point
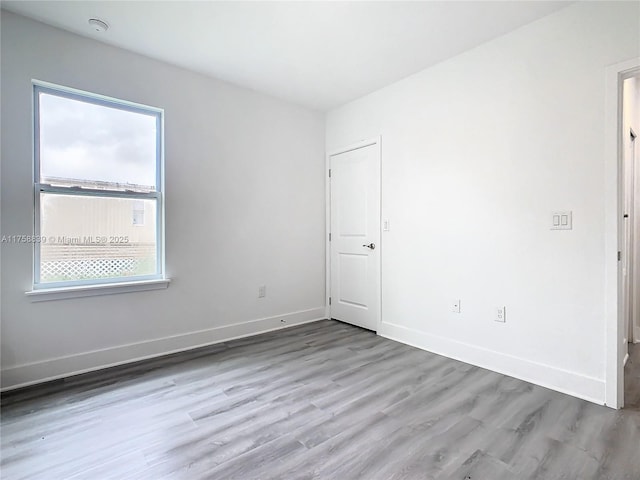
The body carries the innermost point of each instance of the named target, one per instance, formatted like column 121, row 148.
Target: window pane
column 95, row 146
column 96, row 237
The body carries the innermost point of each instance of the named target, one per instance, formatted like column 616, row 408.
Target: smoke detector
column 98, row 25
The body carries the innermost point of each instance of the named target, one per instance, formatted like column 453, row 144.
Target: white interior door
column 627, row 252
column 355, row 235
column 634, row 225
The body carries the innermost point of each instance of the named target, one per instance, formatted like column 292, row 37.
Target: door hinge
column 329, row 237
column 329, row 300
column 329, row 173
column 619, row 256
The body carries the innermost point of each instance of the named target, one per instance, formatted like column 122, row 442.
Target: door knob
column 371, row 246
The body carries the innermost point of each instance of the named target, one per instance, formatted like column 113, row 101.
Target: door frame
column 614, row 235
column 330, row 153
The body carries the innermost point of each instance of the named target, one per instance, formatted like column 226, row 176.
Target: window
column 98, row 190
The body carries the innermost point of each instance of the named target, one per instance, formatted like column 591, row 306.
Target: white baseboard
column 564, row 381
column 55, row 368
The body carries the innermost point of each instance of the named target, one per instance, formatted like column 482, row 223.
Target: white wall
column 477, row 152
column 244, row 207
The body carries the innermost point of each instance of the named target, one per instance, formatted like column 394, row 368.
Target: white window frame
column 97, row 286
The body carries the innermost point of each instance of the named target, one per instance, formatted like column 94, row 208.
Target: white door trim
column 337, row 151
column 614, row 323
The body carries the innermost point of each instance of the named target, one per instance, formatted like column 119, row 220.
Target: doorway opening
column 617, row 132
column 630, row 244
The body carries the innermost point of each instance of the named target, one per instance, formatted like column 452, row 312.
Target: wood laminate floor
column 318, row 401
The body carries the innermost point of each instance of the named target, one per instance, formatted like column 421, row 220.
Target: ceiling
column 316, row 54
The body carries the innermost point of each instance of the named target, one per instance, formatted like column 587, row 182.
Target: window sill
column 46, row 294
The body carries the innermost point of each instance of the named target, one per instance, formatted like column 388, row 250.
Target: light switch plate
column 562, row 220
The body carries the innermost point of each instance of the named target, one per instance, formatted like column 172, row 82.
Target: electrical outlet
column 501, row 314
column 262, row 291
column 455, row 306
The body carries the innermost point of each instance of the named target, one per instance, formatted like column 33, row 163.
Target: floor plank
column 319, row 401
